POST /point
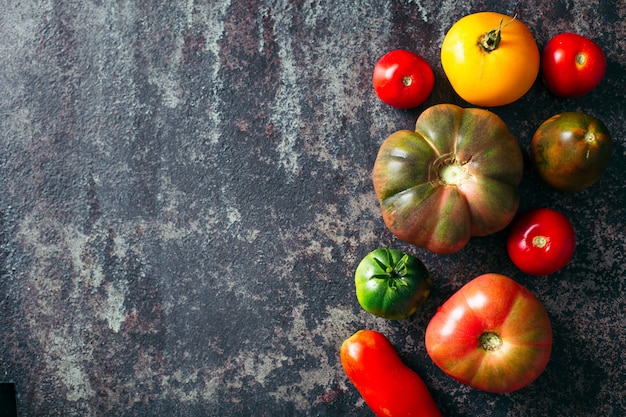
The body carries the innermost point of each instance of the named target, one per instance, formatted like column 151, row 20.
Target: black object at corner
column 8, row 403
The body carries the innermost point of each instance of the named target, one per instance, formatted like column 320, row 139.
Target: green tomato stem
column 490, row 341
column 589, row 137
column 394, row 274
column 491, row 40
column 454, row 174
column 540, row 241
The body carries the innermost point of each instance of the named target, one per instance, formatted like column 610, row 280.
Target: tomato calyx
column 540, row 241
column 589, row 137
column 490, row 341
column 394, row 273
column 490, row 41
column 449, row 170
column 454, row 174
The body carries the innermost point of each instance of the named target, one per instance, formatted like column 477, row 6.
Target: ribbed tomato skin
column 491, row 304
column 454, row 177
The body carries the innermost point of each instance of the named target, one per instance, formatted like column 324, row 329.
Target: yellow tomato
column 491, row 59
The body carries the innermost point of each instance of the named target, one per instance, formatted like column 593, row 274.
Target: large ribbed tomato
column 493, row 334
column 454, row 177
column 490, row 59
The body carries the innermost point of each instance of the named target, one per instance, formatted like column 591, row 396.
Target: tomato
column 387, row 385
column 570, row 151
column 493, row 334
column 541, row 241
column 572, row 65
column 391, row 284
column 403, row 79
column 490, row 59
column 454, row 177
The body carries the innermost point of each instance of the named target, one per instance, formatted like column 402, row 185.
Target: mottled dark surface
column 185, row 194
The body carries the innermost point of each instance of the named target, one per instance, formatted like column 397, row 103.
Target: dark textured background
column 185, row 193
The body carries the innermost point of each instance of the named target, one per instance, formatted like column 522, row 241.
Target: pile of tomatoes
column 485, row 71
column 456, row 176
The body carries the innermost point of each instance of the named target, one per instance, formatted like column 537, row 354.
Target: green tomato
column 391, row 284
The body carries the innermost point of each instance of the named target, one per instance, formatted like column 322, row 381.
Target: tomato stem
column 490, row 341
column 540, row 241
column 454, row 174
column 491, row 40
column 407, row 80
column 589, row 137
column 394, row 273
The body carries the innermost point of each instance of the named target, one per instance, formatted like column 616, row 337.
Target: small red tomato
column 388, row 386
column 572, row 65
column 403, row 79
column 541, row 241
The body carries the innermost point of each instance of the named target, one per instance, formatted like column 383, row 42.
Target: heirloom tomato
column 403, row 79
column 490, row 59
column 493, row 334
column 572, row 65
column 388, row 386
column 391, row 284
column 571, row 150
column 454, row 177
column 541, row 241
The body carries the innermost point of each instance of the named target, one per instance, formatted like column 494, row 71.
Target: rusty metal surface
column 185, row 193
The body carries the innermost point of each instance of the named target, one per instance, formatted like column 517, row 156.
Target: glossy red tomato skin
column 461, row 336
column 387, row 385
column 572, row 65
column 541, row 241
column 403, row 79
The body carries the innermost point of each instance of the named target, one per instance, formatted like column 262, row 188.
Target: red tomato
column 388, row 386
column 541, row 241
column 403, row 79
column 493, row 334
column 572, row 65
